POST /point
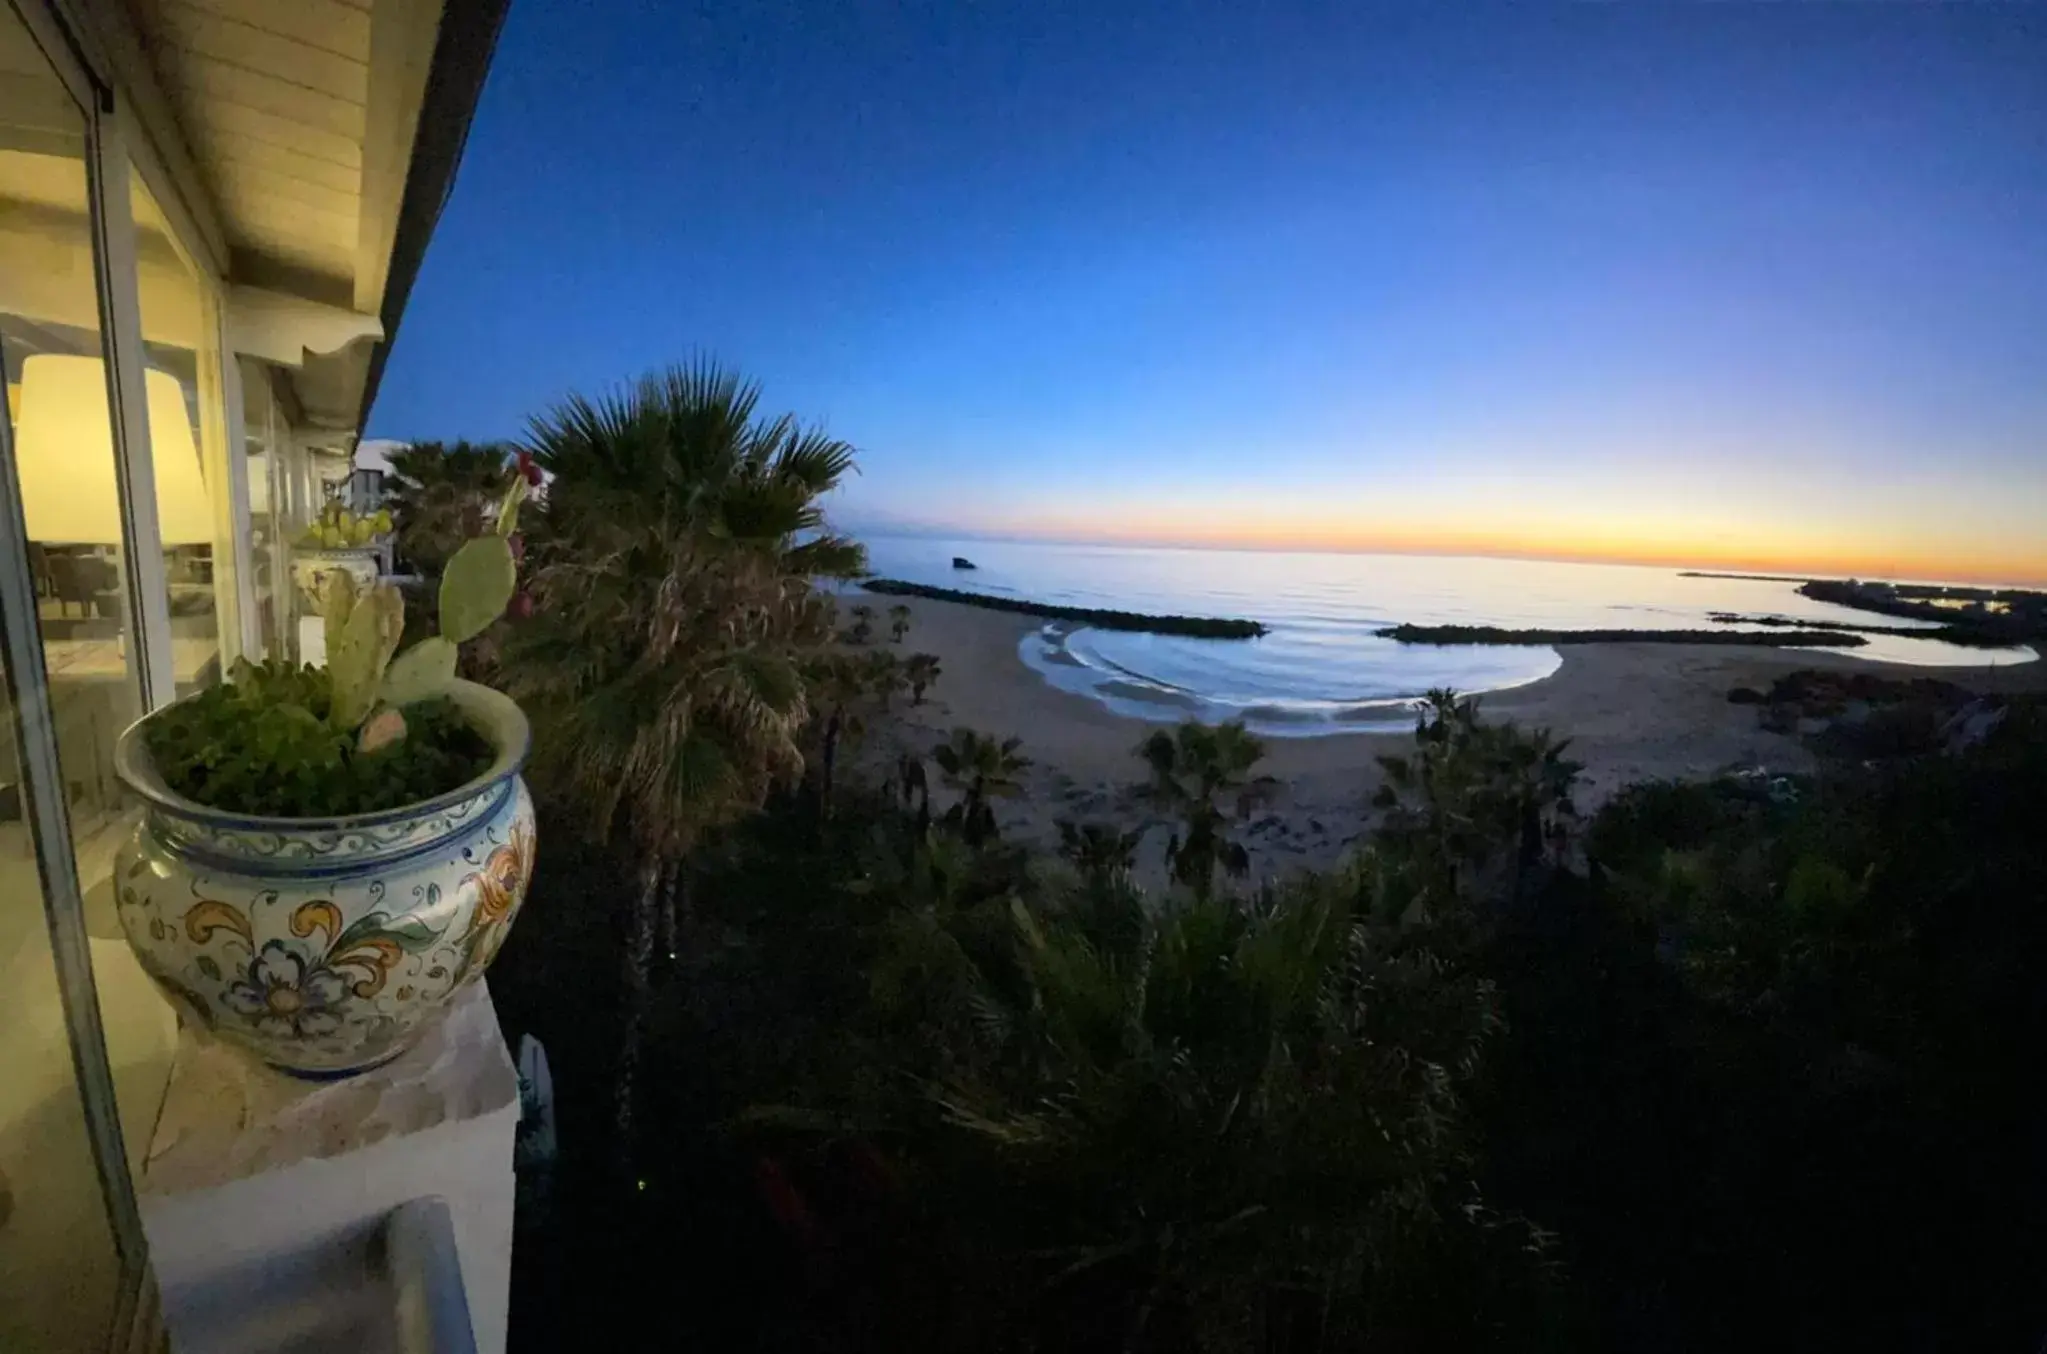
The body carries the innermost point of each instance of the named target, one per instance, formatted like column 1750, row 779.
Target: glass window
column 188, row 445
column 270, row 523
column 58, row 1268
column 52, row 347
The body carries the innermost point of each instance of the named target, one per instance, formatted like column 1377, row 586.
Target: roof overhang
column 311, row 144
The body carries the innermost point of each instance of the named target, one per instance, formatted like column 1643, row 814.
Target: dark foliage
column 1818, row 692
column 664, row 664
column 440, row 495
column 1737, row 1065
column 1197, row 627
column 1768, row 1071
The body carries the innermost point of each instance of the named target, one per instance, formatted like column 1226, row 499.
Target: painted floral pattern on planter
column 327, row 965
column 500, row 887
column 284, row 1000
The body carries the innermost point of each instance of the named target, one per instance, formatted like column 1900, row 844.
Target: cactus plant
column 477, row 584
column 358, row 654
column 363, row 628
column 374, row 729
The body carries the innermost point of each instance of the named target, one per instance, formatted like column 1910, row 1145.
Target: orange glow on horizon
column 1843, row 558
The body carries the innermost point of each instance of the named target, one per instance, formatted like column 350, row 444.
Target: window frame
column 118, row 142
column 48, row 814
column 131, row 148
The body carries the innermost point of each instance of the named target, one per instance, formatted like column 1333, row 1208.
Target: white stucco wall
column 259, row 1183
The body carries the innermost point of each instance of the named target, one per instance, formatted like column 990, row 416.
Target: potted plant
column 327, row 855
column 340, row 539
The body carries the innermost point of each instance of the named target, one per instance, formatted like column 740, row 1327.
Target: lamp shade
column 64, row 447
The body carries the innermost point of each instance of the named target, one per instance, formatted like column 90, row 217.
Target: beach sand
column 1632, row 711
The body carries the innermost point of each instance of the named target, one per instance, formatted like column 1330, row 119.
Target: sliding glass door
column 70, row 686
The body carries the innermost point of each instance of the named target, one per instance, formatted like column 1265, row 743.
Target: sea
column 1320, row 669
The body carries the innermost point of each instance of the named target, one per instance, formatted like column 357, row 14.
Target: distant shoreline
column 1633, row 711
column 1950, row 633
column 1196, row 627
column 1747, row 578
column 1493, row 634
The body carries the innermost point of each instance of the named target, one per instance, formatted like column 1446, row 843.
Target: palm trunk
column 639, row 958
column 669, row 886
column 828, row 763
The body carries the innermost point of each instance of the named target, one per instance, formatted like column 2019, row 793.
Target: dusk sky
column 1755, row 286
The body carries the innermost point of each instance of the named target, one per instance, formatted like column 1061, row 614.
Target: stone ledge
column 252, row 1174
column 226, row 1116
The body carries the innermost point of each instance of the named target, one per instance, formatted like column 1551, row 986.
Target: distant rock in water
column 962, row 562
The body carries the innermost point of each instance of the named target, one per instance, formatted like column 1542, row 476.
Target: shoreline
column 1634, row 711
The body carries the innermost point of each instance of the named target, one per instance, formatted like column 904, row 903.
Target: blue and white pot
column 326, row 946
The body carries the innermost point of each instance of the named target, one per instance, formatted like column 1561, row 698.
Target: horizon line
column 1896, row 573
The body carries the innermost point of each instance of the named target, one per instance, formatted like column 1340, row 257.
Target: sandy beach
column 1633, row 712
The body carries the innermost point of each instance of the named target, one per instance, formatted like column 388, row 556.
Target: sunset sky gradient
column 1749, row 287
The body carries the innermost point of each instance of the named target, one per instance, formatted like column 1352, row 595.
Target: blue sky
column 1712, row 283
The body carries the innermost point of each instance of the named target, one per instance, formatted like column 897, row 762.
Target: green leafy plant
column 264, row 744
column 373, row 729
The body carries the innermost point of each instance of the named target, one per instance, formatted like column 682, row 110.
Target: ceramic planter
column 327, row 946
column 310, row 566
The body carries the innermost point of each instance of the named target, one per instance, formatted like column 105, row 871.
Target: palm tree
column 978, row 769
column 1476, row 805
column 439, row 495
column 835, row 684
column 912, row 790
column 898, row 622
column 673, row 560
column 920, row 671
column 1229, row 1114
column 844, row 688
column 883, row 675
column 1101, row 851
column 863, row 625
column 1190, row 767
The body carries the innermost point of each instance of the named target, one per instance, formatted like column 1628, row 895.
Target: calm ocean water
column 1321, row 670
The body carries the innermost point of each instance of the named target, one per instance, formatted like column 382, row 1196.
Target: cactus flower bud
column 383, row 728
column 521, row 606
